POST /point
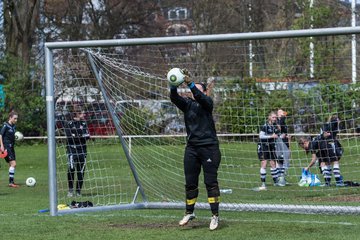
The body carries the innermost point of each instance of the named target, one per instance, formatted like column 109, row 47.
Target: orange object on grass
column 3, row 154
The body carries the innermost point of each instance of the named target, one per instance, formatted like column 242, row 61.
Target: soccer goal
column 135, row 152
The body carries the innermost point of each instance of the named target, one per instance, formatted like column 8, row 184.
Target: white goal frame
column 50, row 106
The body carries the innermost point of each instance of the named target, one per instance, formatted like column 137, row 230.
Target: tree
column 2, row 37
column 21, row 87
column 322, row 15
column 82, row 19
column 20, row 22
column 22, row 97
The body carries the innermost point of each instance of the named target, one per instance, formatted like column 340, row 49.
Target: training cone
column 3, row 154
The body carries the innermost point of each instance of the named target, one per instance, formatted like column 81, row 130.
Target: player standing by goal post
column 202, row 148
column 7, row 142
column 77, row 134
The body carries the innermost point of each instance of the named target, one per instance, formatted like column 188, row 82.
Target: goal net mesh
column 138, row 136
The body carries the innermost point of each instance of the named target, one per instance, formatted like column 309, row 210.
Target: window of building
column 177, row 14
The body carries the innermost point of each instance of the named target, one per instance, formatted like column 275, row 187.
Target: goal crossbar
column 206, row 38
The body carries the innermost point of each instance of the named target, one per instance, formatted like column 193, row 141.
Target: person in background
column 329, row 134
column 282, row 163
column 269, row 132
column 321, row 151
column 202, row 149
column 77, row 134
column 7, row 142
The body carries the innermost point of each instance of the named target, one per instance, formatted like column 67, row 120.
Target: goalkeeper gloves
column 187, row 79
column 185, row 72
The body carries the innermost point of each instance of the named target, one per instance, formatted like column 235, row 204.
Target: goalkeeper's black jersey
column 76, row 133
column 199, row 122
column 8, row 134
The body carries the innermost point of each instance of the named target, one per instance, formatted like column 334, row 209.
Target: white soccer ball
column 19, row 136
column 30, row 182
column 175, row 77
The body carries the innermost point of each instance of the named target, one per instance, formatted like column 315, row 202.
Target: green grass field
column 20, row 218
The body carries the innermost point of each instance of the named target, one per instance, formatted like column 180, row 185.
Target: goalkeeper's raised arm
column 199, row 91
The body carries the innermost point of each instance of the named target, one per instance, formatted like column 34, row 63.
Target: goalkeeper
column 202, row 148
column 77, row 134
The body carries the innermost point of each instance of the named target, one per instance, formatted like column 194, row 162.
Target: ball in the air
column 175, row 77
column 30, row 182
column 19, row 136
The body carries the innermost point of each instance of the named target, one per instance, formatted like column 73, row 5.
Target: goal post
column 117, row 124
column 137, row 136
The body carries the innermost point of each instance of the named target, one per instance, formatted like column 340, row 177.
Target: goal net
column 137, row 136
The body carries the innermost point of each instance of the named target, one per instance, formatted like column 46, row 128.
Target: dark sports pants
column 208, row 158
column 76, row 163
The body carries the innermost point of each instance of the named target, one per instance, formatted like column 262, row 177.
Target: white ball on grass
column 30, row 182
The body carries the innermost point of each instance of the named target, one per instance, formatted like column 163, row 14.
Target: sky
column 349, row 1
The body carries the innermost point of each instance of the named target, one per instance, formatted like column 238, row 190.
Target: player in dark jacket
column 77, row 134
column 7, row 142
column 202, row 149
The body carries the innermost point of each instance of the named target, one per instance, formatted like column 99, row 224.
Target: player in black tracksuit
column 202, row 148
column 77, row 134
